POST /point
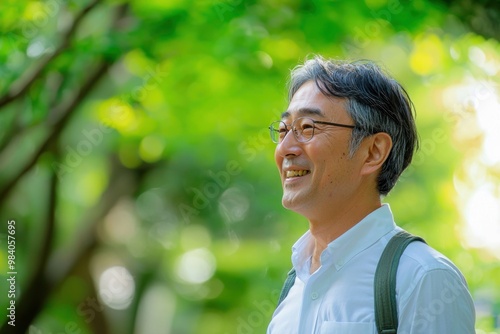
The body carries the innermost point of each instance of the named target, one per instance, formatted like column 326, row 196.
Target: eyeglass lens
column 303, row 130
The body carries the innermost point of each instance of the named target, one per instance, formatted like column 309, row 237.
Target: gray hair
column 376, row 103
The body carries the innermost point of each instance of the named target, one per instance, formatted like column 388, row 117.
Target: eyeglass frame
column 291, row 127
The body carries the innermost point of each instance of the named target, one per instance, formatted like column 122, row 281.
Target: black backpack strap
column 290, row 280
column 386, row 310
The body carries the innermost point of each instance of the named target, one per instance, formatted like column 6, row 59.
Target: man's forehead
column 304, row 111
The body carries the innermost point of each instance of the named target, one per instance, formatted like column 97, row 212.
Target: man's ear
column 378, row 146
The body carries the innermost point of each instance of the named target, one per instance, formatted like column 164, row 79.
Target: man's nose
column 289, row 146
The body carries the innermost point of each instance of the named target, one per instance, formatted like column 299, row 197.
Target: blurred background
column 136, row 163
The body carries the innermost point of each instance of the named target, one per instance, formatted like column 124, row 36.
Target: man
column 345, row 139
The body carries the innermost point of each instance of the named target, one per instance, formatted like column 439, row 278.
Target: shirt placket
column 311, row 301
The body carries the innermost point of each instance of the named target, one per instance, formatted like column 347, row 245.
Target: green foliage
column 164, row 166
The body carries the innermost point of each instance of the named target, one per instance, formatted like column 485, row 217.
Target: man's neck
column 335, row 223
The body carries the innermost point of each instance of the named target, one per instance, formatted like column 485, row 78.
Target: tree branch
column 21, row 86
column 10, row 131
column 36, row 289
column 123, row 183
column 481, row 17
column 66, row 110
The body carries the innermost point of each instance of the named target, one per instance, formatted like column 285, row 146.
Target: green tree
column 136, row 162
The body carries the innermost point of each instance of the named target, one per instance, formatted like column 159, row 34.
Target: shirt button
column 314, row 295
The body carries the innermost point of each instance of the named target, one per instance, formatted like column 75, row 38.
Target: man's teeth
column 295, row 173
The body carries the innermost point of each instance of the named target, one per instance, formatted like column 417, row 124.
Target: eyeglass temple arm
column 336, row 124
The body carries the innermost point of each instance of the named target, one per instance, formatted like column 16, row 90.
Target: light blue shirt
column 431, row 293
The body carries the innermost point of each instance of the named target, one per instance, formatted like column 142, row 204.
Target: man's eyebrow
column 304, row 112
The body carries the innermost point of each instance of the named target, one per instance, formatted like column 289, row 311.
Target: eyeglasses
column 303, row 129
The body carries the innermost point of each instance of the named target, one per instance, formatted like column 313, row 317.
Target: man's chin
column 293, row 203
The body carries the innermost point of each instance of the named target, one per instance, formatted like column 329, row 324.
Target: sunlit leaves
column 185, row 108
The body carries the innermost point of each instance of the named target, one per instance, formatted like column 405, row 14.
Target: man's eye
column 307, row 128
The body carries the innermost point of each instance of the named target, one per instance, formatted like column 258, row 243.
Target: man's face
column 318, row 174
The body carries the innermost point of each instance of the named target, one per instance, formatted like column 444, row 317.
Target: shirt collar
column 301, row 255
column 341, row 250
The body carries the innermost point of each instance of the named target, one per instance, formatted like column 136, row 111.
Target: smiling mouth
column 296, row 173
